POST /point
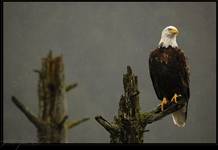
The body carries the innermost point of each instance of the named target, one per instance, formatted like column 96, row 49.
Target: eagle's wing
column 180, row 116
column 184, row 73
column 153, row 75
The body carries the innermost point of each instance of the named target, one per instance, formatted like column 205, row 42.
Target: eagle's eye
column 170, row 29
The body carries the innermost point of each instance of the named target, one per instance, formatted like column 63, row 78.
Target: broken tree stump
column 52, row 124
column 129, row 126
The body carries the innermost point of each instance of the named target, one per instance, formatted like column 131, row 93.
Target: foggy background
column 98, row 41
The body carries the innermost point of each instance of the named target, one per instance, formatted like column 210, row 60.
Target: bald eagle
column 170, row 74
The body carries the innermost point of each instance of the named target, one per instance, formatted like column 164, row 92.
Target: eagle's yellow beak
column 174, row 31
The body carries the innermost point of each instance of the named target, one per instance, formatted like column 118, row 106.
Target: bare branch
column 157, row 114
column 72, row 124
column 111, row 128
column 35, row 120
column 70, row 87
column 37, row 71
column 63, row 121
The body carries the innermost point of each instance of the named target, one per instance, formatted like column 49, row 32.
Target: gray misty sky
column 98, row 40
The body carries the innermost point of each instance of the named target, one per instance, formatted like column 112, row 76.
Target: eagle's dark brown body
column 169, row 73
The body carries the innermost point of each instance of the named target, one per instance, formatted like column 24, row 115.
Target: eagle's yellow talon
column 174, row 99
column 163, row 102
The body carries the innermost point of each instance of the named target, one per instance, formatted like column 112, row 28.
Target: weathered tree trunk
column 129, row 126
column 52, row 125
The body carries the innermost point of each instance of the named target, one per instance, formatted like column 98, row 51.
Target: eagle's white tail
column 179, row 117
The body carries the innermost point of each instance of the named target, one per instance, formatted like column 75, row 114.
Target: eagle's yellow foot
column 174, row 99
column 163, row 102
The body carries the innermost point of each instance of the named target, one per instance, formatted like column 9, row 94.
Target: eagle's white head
column 168, row 37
